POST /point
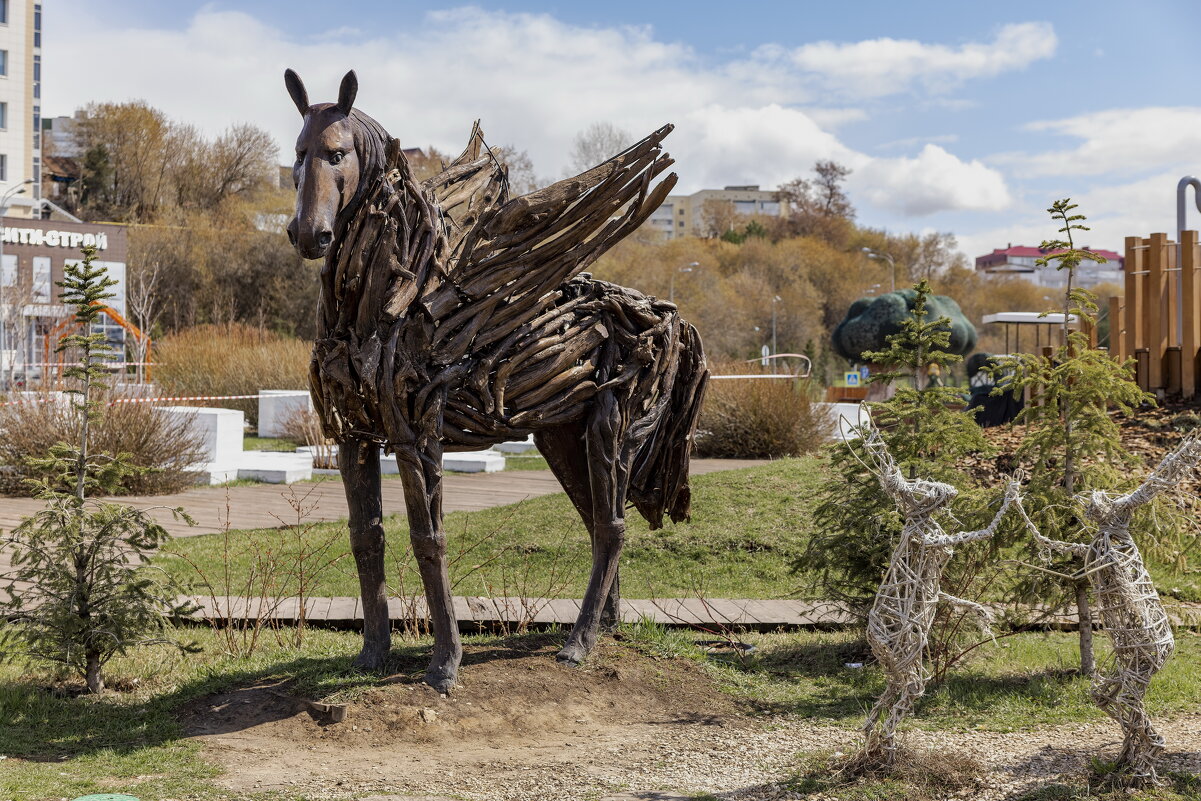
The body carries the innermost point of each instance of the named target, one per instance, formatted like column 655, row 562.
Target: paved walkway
column 267, row 505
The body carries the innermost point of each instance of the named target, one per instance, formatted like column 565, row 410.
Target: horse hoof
column 441, row 681
column 571, row 656
column 371, row 660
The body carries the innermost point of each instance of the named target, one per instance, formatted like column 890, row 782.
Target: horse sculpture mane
column 453, row 317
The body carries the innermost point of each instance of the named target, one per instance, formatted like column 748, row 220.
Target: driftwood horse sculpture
column 452, row 317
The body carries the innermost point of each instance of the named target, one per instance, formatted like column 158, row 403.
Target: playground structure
column 53, row 363
column 1158, row 322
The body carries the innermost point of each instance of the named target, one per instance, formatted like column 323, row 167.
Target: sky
column 960, row 117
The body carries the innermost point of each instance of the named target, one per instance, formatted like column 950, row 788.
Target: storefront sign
column 72, row 240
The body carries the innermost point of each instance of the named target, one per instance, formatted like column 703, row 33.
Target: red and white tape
column 297, row 394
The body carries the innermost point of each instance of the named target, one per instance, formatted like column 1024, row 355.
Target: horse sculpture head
column 337, row 147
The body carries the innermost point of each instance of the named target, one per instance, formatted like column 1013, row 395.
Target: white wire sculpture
column 898, row 625
column 1131, row 612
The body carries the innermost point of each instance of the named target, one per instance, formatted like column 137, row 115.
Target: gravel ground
column 678, row 760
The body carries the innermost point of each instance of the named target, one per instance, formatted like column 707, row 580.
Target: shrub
column 759, row 418
column 161, row 447
column 230, row 360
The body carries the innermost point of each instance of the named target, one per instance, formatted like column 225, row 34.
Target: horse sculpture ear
column 296, row 89
column 347, row 92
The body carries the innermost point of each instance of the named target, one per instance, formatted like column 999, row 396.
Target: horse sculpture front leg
column 358, row 462
column 421, row 474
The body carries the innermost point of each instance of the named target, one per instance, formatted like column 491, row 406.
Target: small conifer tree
column 926, row 431
column 81, row 592
column 1070, row 437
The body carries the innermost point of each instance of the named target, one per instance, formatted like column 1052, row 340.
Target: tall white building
column 21, row 103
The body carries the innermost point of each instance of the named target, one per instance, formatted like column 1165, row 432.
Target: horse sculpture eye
column 337, row 157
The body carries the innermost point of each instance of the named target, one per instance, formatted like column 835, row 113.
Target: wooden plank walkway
column 713, row 614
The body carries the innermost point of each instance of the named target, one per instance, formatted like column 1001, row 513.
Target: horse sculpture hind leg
column 565, row 452
column 608, row 480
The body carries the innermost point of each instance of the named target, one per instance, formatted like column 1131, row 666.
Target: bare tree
column 597, row 143
column 142, row 301
column 522, row 179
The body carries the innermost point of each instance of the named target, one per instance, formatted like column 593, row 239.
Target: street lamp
column 687, row 268
column 892, row 265
column 5, row 199
column 774, row 350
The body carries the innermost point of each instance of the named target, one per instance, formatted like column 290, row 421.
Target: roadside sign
column 852, row 378
column 864, row 373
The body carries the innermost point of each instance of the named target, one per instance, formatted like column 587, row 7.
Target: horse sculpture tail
column 659, row 474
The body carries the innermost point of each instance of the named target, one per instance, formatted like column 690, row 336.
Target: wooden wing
column 511, row 258
column 469, row 189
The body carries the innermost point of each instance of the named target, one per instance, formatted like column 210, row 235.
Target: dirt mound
column 514, row 705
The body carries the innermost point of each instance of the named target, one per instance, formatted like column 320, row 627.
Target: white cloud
column 533, row 80
column 1117, row 141
column 878, row 67
column 933, row 181
column 910, row 141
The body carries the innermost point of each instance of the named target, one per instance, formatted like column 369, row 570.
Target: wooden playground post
column 1135, row 252
column 1190, row 300
column 1117, row 329
column 1157, row 318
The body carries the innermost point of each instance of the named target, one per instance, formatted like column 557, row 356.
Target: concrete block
column 277, row 406
column 524, row 446
column 275, row 467
column 211, row 474
column 843, row 417
column 219, row 430
column 488, row 461
column 387, row 464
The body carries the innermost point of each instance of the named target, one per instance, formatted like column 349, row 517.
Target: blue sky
column 955, row 116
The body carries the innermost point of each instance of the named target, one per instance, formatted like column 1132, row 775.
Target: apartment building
column 693, row 215
column 21, row 105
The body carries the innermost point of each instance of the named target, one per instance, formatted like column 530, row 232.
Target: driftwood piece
column 1130, row 610
column 453, row 317
column 898, row 625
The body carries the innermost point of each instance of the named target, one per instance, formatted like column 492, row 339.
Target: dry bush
column 230, row 359
column 760, row 418
column 162, row 444
column 304, row 428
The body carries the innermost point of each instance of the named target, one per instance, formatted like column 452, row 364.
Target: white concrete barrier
column 277, row 406
column 220, row 434
column 843, row 416
column 488, row 461
column 275, row 467
column 523, row 446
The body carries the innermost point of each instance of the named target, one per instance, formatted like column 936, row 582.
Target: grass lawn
column 748, row 528
column 250, row 443
column 58, row 745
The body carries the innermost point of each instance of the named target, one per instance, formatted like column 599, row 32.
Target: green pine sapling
column 1070, row 437
column 926, row 431
column 80, row 590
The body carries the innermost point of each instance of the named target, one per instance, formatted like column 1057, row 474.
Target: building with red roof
column 1020, row 261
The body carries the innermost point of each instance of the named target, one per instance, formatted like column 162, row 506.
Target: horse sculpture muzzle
column 311, row 241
